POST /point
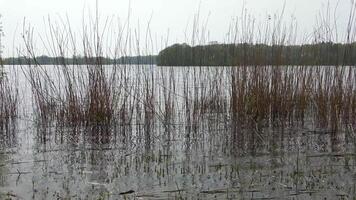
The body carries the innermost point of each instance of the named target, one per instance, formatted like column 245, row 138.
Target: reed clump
column 72, row 93
column 8, row 102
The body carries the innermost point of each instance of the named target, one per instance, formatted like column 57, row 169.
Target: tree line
column 324, row 53
column 46, row 60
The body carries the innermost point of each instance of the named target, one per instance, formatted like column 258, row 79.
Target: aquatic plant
column 8, row 94
column 264, row 94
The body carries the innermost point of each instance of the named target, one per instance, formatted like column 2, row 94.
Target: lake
column 173, row 136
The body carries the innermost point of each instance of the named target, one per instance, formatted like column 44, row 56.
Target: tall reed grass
column 8, row 94
column 245, row 95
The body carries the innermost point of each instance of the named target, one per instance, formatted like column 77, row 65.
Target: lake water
column 175, row 160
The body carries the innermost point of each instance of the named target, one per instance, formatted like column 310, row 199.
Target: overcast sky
column 172, row 15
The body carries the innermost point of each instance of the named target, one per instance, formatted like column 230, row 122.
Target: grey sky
column 172, row 15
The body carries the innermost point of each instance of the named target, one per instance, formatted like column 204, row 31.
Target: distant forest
column 46, row 60
column 219, row 55
column 258, row 54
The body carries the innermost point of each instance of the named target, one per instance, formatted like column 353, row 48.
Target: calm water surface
column 175, row 161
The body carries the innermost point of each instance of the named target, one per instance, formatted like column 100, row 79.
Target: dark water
column 210, row 160
column 175, row 163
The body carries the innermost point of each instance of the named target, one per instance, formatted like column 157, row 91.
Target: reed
column 266, row 94
column 8, row 93
column 68, row 92
column 8, row 103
